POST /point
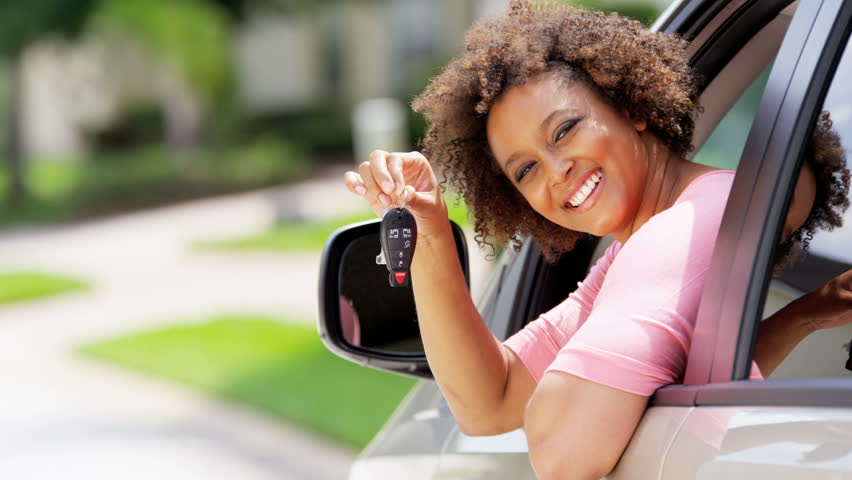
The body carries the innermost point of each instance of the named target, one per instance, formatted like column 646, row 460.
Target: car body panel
column 496, row 456
column 649, row 447
column 781, row 443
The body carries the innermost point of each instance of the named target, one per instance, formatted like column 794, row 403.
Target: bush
column 150, row 176
column 318, row 131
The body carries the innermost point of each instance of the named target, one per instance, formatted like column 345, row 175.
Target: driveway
column 64, row 416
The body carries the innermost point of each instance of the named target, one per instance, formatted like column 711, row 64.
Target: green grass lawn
column 290, row 236
column 278, row 367
column 286, row 236
column 21, row 286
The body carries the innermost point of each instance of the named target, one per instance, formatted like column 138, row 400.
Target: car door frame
column 727, row 322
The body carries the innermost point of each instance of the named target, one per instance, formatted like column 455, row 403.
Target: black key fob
column 398, row 236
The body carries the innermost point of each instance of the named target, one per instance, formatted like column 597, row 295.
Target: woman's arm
column 578, row 429
column 778, row 336
column 485, row 385
column 826, row 307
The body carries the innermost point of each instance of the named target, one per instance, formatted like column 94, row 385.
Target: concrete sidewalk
column 69, row 417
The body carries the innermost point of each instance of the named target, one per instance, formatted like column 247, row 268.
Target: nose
column 558, row 169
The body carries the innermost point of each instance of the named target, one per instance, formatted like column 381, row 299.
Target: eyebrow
column 515, row 156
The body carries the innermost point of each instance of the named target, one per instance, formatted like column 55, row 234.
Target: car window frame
column 729, row 315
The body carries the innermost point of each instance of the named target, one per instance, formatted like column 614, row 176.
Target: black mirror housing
column 361, row 317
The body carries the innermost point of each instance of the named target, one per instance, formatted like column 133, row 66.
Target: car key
column 398, row 238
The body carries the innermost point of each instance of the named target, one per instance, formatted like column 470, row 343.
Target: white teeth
column 585, row 190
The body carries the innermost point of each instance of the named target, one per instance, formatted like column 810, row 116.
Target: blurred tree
column 645, row 12
column 21, row 23
column 191, row 39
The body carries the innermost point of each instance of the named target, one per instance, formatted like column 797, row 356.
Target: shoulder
column 681, row 238
column 709, row 186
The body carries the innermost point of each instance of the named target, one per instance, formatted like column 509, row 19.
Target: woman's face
column 578, row 161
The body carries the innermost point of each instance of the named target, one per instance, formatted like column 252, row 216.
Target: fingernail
column 399, row 188
column 361, row 189
column 387, row 186
column 384, row 199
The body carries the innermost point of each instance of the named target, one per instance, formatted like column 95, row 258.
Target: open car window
column 822, row 354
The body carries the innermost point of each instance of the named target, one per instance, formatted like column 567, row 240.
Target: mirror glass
column 374, row 315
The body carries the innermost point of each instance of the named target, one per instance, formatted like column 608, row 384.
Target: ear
column 638, row 123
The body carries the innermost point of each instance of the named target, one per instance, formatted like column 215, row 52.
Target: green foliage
column 21, row 286
column 290, row 6
column 278, row 367
column 265, row 160
column 24, row 21
column 320, row 130
column 118, row 181
column 136, row 125
column 192, row 35
column 644, row 12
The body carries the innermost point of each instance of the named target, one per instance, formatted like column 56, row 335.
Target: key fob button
column 400, row 259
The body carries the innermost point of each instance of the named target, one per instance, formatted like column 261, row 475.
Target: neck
column 662, row 184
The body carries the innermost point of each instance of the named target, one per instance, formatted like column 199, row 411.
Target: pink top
column 629, row 324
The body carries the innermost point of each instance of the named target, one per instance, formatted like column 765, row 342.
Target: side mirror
column 361, row 317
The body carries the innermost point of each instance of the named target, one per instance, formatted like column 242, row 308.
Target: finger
column 846, row 278
column 395, row 169
column 373, row 190
column 354, row 183
column 424, row 177
column 379, row 167
column 415, row 200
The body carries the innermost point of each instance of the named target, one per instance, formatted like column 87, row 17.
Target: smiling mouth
column 583, row 193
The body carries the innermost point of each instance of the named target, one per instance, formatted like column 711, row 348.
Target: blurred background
column 170, row 170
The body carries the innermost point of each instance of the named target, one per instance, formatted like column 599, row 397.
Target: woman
column 555, row 123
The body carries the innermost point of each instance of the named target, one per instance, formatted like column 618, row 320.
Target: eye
column 563, row 130
column 523, row 171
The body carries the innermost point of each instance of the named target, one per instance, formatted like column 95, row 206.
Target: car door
column 414, row 439
column 798, row 422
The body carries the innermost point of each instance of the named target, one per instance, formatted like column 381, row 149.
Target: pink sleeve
column 755, row 373
column 638, row 334
column 537, row 344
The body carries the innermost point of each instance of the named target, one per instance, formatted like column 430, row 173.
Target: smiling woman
column 558, row 123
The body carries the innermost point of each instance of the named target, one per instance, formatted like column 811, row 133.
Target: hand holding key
column 383, row 180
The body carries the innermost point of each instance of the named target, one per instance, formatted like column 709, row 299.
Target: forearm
column 779, row 335
column 466, row 359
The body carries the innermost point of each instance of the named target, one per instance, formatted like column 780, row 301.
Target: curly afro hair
column 825, row 154
column 644, row 72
